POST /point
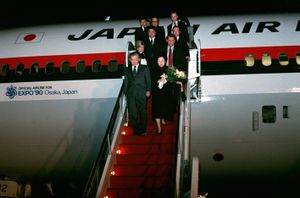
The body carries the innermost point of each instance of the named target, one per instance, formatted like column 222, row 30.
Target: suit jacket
column 137, row 86
column 152, row 52
column 183, row 28
column 179, row 59
column 182, row 43
column 160, row 33
column 140, row 34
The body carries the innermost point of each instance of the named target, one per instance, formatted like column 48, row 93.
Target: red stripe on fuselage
column 207, row 54
column 59, row 59
column 238, row 53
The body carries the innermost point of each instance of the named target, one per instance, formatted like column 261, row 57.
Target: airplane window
column 269, row 114
column 80, row 67
column 65, row 67
column 283, row 59
column 4, row 70
column 298, row 58
column 285, row 111
column 112, row 65
column 20, row 69
column 96, row 66
column 249, row 60
column 49, row 69
column 266, row 59
column 34, row 69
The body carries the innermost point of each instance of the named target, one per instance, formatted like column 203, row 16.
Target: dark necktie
column 134, row 71
column 170, row 57
column 151, row 41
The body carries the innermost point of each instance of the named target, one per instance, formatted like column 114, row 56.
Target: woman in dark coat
column 161, row 94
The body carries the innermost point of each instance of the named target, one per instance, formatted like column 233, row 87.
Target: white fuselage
column 43, row 135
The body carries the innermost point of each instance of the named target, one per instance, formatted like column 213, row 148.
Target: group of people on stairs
column 147, row 75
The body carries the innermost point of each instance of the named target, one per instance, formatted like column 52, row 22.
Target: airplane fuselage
column 244, row 122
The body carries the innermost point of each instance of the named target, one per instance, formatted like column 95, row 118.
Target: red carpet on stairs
column 145, row 167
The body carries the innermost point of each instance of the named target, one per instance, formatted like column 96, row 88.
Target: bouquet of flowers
column 172, row 75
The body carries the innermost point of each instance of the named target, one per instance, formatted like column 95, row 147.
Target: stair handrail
column 123, row 118
column 195, row 173
column 110, row 161
column 93, row 180
column 111, row 136
column 183, row 150
column 183, row 144
column 195, row 178
column 178, row 178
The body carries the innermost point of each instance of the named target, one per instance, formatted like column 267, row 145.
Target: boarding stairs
column 153, row 165
column 145, row 165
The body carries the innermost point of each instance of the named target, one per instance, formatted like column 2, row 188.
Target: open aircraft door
column 194, row 72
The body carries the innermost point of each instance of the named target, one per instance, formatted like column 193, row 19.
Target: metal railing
column 195, row 178
column 105, row 149
column 193, row 91
column 113, row 145
column 96, row 186
column 110, row 161
column 178, row 179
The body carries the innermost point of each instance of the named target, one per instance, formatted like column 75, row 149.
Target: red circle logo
column 29, row 37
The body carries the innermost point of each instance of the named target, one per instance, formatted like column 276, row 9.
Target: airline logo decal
column 231, row 28
column 34, row 37
column 60, row 90
column 11, row 92
column 14, row 92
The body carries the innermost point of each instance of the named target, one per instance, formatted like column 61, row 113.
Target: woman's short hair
column 139, row 43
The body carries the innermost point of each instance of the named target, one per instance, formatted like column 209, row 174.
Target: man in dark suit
column 176, row 58
column 175, row 55
column 141, row 32
column 137, row 89
column 154, row 48
column 160, row 30
column 181, row 42
column 181, row 24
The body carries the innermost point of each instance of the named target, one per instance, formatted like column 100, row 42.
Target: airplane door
column 129, row 49
column 194, row 72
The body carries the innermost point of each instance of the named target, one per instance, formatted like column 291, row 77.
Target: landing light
column 123, row 132
column 118, row 151
column 112, row 172
column 126, row 124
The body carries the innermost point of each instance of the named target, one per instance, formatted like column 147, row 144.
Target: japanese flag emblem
column 34, row 37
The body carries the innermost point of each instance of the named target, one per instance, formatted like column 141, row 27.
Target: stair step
column 154, row 132
column 139, row 182
column 142, row 159
column 149, row 139
column 147, row 148
column 121, row 192
column 169, row 128
column 143, row 170
column 139, row 192
column 146, row 164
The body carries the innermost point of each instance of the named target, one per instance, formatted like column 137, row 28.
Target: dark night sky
column 24, row 13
